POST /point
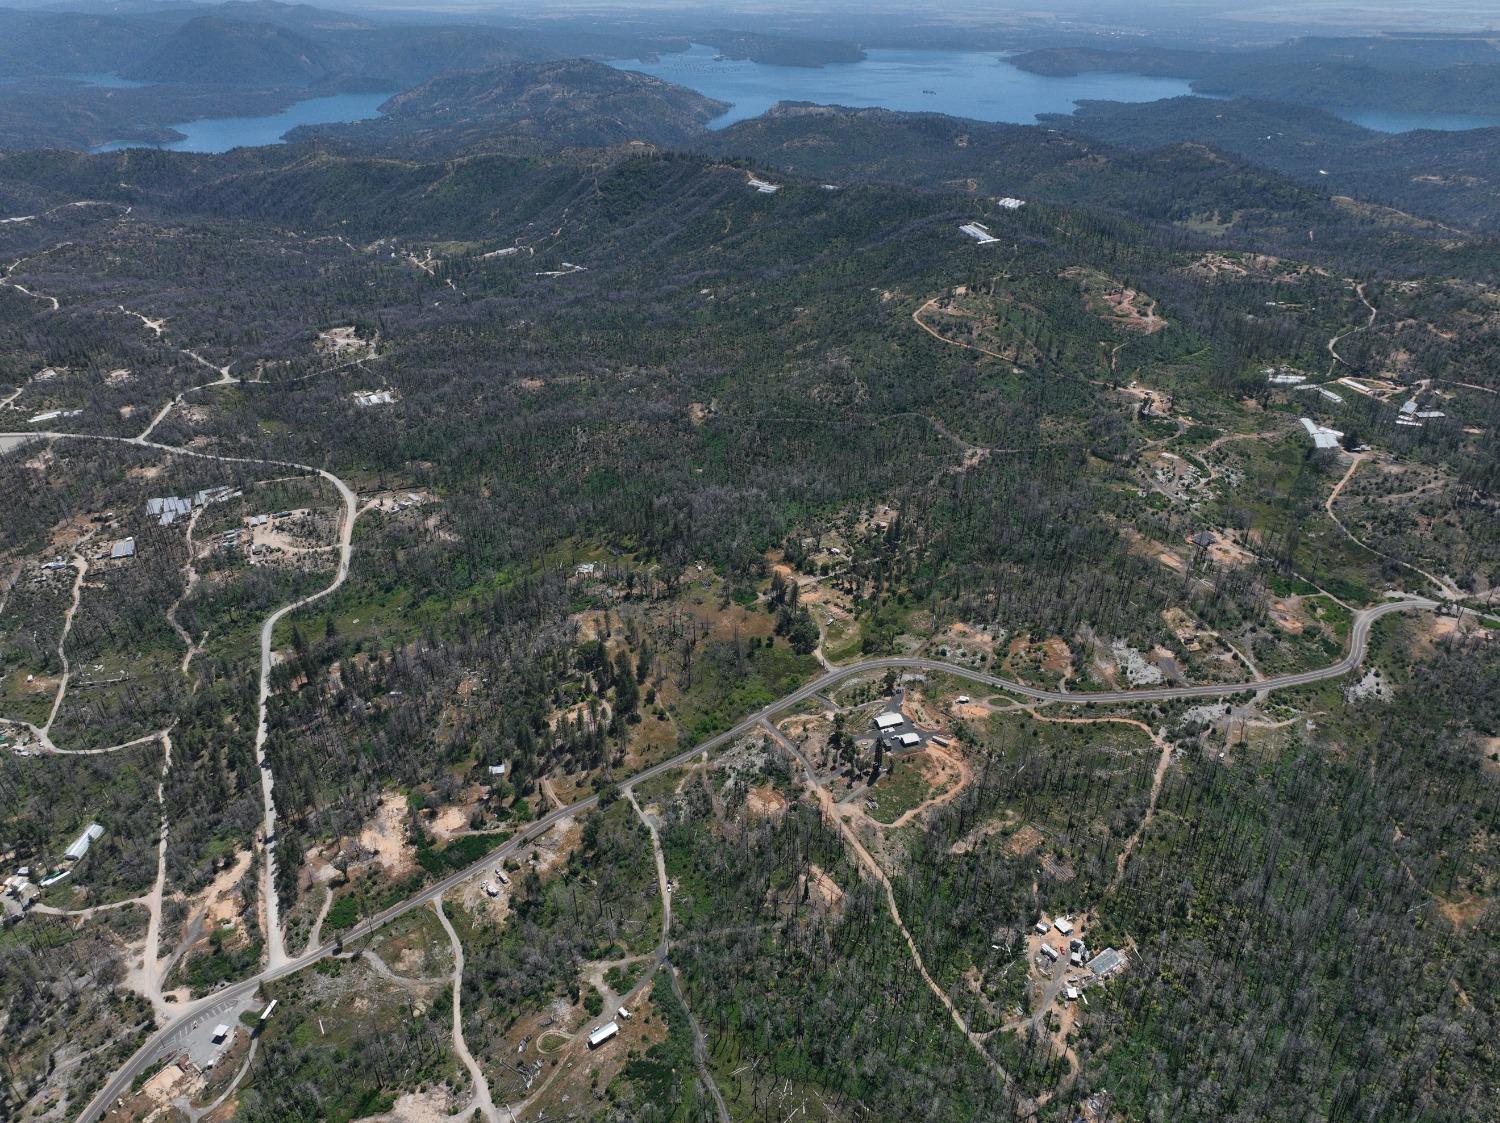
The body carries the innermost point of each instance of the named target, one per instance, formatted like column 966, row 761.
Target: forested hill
column 210, row 50
column 1434, row 75
column 545, row 105
column 1453, row 176
column 1186, row 186
column 1188, row 194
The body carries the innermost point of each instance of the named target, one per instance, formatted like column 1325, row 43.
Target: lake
column 220, row 134
column 1388, row 121
column 976, row 84
column 961, row 83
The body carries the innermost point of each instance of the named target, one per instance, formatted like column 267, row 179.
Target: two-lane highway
column 169, row 1037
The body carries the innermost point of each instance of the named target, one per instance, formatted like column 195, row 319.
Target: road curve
column 160, row 1041
column 156, row 1044
column 275, row 941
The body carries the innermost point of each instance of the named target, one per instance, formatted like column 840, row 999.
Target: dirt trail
column 1158, row 778
column 700, row 1043
column 224, row 379
column 547, row 790
column 315, row 934
column 82, row 564
column 1337, row 360
column 661, row 869
column 965, row 778
column 191, row 572
column 1444, row 586
column 275, row 939
column 831, row 815
column 20, row 288
column 90, row 912
column 932, row 331
column 151, row 964
column 481, row 1101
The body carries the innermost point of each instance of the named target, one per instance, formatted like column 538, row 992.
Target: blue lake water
column 1384, row 121
column 976, row 84
column 962, row 83
column 220, row 134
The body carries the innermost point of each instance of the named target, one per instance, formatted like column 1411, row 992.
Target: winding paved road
column 171, row 1035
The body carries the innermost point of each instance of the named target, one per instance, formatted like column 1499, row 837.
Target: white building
column 1322, row 436
column 603, row 1034
column 1106, row 962
column 82, row 843
column 979, row 232
column 910, row 740
column 1063, row 925
column 169, row 508
column 124, row 548
column 889, row 721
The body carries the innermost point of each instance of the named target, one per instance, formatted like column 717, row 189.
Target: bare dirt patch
column 384, row 836
column 219, row 898
column 1489, row 749
column 1024, row 841
column 1461, row 912
column 345, row 343
column 1057, row 657
column 1116, row 304
column 826, row 892
column 1287, row 615
column 765, row 801
column 450, row 820
column 432, row 1106
column 993, row 826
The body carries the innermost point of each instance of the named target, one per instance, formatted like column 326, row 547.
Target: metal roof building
column 889, row 721
column 1106, row 962
column 124, row 548
column 1322, row 436
column 603, row 1034
column 82, row 843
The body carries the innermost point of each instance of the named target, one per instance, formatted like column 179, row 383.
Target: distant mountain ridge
column 1419, row 76
column 211, row 49
column 573, row 103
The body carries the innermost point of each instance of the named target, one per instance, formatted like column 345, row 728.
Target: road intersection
column 169, row 1037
